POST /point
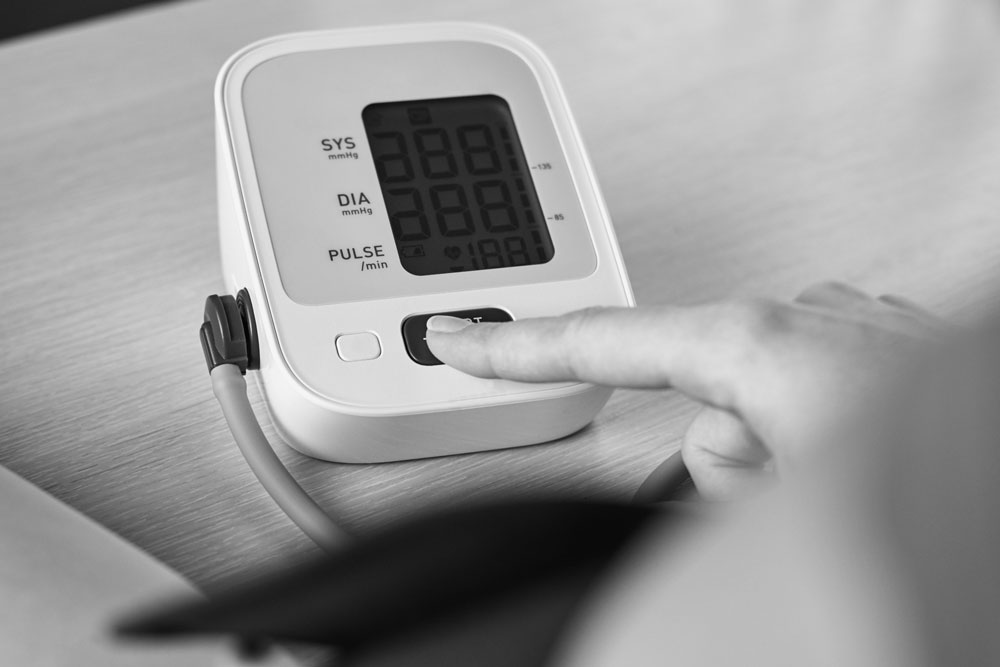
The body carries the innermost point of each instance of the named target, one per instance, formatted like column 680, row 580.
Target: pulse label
column 368, row 257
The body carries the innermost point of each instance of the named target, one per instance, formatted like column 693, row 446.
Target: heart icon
column 453, row 251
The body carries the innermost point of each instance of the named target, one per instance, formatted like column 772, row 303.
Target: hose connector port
column 229, row 332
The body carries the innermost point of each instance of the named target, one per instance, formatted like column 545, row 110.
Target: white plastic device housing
column 391, row 408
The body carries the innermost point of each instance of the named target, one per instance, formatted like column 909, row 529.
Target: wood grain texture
column 743, row 149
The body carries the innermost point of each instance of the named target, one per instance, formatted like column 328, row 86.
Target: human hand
column 776, row 379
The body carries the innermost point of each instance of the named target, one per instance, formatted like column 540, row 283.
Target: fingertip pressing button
column 358, row 346
column 415, row 330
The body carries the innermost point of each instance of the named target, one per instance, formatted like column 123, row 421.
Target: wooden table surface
column 742, row 150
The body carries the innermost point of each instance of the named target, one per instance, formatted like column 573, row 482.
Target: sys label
column 339, row 148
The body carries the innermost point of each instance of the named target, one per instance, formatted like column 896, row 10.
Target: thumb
column 725, row 459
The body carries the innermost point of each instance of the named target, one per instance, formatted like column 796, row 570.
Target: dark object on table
column 25, row 16
column 489, row 586
column 669, row 482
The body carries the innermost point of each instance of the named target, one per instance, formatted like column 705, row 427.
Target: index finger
column 709, row 352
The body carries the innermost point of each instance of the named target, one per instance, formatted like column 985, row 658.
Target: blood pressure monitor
column 371, row 178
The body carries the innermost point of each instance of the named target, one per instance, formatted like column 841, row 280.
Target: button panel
column 358, row 346
column 415, row 330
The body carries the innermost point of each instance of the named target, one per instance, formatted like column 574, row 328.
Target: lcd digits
column 456, row 185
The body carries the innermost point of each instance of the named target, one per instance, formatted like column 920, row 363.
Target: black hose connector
column 245, row 307
column 229, row 332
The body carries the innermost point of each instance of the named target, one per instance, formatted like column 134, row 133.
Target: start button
column 415, row 330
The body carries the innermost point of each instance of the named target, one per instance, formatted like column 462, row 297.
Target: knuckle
column 831, row 288
column 584, row 315
column 764, row 319
column 574, row 327
column 502, row 356
column 577, row 322
column 483, row 347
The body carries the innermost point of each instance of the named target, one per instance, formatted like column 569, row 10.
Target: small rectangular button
column 358, row 346
column 415, row 330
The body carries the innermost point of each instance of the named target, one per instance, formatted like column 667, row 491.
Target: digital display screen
column 456, row 185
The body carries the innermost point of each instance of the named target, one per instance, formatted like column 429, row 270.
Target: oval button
column 358, row 346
